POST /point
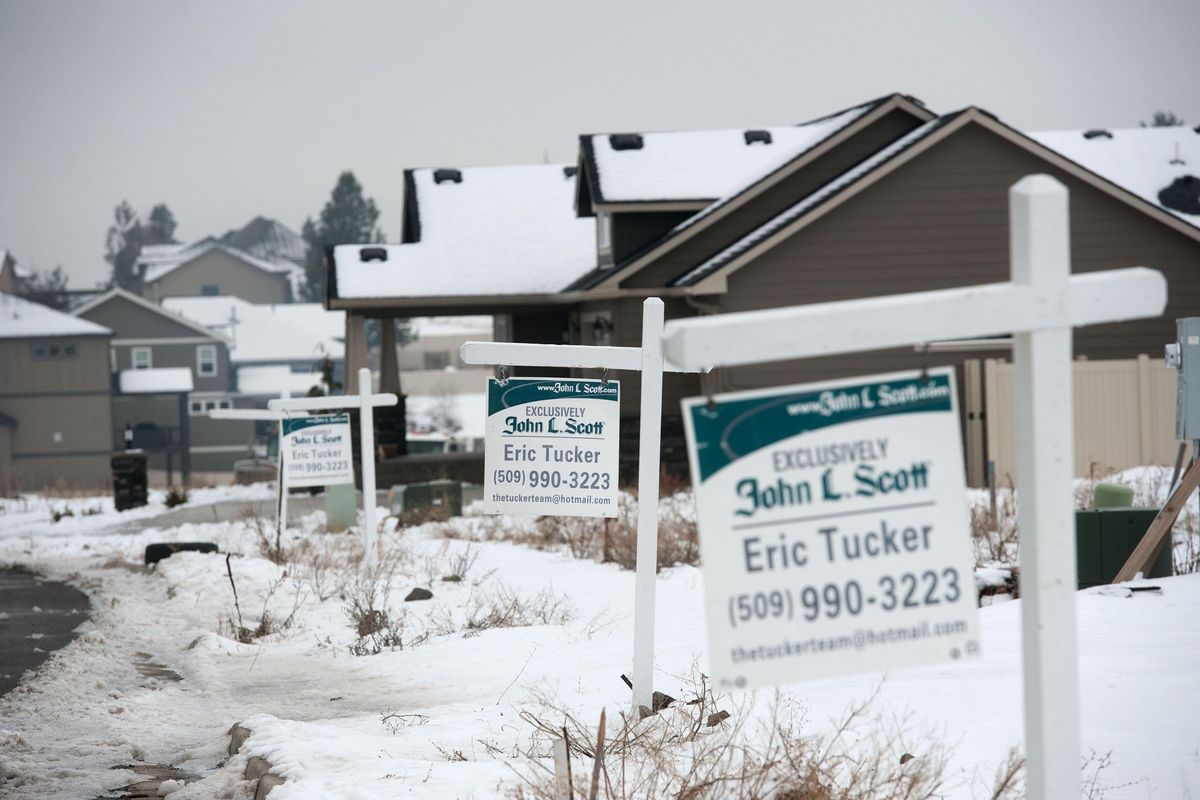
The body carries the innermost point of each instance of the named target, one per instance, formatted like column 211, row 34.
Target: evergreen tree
column 121, row 247
column 125, row 239
column 47, row 288
column 347, row 218
column 1164, row 119
column 161, row 227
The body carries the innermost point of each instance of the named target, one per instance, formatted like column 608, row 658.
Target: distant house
column 271, row 347
column 150, row 338
column 209, row 267
column 880, row 198
column 55, row 398
column 268, row 239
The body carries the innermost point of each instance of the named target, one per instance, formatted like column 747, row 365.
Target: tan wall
column 1124, row 415
column 412, row 355
column 232, row 277
column 70, row 397
column 433, row 383
column 21, row 374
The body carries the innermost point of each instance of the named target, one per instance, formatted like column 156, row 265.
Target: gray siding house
column 55, row 399
column 149, row 337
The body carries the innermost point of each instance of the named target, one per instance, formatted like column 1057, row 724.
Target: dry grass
column 694, row 751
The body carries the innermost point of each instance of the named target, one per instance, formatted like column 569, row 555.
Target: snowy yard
column 448, row 697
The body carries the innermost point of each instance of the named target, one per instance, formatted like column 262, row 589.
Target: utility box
column 130, row 488
column 1104, row 540
column 443, row 498
column 1184, row 355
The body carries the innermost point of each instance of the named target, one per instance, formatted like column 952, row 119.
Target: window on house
column 223, row 404
column 210, row 290
column 45, row 350
column 195, row 407
column 140, row 357
column 206, row 360
column 436, row 359
column 604, row 234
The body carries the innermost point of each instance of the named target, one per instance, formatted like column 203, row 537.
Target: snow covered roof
column 25, row 319
column 118, row 293
column 1143, row 160
column 160, row 260
column 271, row 379
column 483, row 231
column 700, row 165
column 810, row 202
column 268, row 239
column 164, row 380
column 467, row 412
column 267, row 333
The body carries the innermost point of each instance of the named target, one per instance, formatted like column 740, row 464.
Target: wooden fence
column 1124, row 416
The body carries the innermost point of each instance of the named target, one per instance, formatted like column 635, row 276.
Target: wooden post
column 1159, row 532
column 1041, row 260
column 649, row 453
column 366, row 424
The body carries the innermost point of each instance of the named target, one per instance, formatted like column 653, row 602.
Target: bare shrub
column 324, row 562
column 698, row 750
column 504, row 608
column 176, row 496
column 368, row 609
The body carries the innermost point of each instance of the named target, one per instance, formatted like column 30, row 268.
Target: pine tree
column 1164, row 119
column 47, row 288
column 121, row 247
column 347, row 218
column 161, row 227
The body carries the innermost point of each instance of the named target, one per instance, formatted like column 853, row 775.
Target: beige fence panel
column 1124, row 415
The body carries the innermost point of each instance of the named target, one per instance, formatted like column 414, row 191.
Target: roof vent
column 366, row 254
column 1182, row 195
column 443, row 175
column 757, row 136
column 569, row 172
column 1196, row 129
column 625, row 141
column 1097, row 133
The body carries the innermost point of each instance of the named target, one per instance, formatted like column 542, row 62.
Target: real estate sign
column 551, row 447
column 316, row 450
column 833, row 528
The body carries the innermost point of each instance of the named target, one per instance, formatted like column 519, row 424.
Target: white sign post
column 552, row 447
column 364, row 401
column 648, row 360
column 831, row 522
column 1039, row 306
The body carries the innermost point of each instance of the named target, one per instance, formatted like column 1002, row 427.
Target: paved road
column 37, row 617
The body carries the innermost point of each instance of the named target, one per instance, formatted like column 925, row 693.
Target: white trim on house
column 174, row 340
column 148, row 352
column 211, row 351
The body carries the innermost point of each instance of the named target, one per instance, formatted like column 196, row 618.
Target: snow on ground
column 442, row 718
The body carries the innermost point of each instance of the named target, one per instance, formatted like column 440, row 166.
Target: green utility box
column 341, row 506
column 1104, row 540
column 441, row 497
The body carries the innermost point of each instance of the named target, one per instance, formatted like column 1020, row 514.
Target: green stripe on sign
column 734, row 429
column 518, row 391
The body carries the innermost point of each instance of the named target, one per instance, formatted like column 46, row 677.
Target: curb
column 257, row 769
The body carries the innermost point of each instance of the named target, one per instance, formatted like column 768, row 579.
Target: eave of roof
column 857, row 179
column 117, row 293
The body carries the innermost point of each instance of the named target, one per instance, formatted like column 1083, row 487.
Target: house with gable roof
column 211, row 267
column 881, row 198
column 55, row 398
column 148, row 341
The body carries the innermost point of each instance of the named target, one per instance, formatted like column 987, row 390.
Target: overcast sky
column 227, row 110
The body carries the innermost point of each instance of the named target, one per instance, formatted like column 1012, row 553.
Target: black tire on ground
column 160, row 550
